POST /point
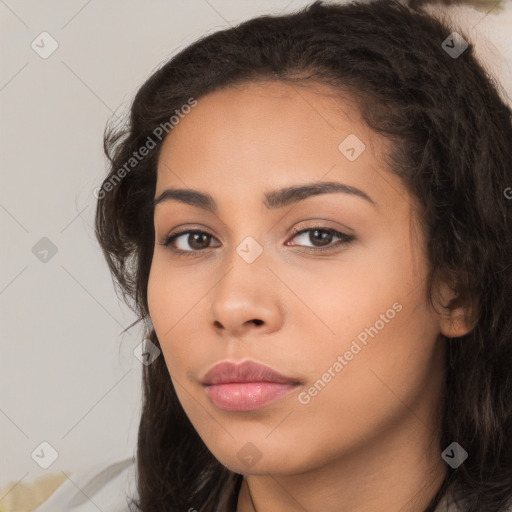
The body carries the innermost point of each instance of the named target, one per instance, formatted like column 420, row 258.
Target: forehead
column 272, row 113
column 256, row 136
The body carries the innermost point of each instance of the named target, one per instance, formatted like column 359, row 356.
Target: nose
column 246, row 299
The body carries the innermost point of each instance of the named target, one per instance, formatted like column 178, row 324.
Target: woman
column 310, row 213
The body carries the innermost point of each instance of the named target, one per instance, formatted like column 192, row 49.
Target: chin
column 254, row 459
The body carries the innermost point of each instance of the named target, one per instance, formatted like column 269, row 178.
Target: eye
column 323, row 236
column 198, row 240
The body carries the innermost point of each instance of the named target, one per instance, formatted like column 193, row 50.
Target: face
column 327, row 286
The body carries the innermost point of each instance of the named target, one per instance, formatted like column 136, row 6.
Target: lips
column 246, row 386
column 248, row 371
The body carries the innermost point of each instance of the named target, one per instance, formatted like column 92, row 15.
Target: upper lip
column 247, row 371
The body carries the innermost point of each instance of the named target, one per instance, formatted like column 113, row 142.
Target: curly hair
column 450, row 136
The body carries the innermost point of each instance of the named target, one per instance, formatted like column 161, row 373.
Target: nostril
column 257, row 321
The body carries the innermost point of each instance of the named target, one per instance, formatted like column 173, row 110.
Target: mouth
column 246, row 386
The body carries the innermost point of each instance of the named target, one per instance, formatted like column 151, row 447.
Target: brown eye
column 321, row 238
column 198, row 241
column 188, row 241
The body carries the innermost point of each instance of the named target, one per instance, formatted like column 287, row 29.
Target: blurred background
column 70, row 386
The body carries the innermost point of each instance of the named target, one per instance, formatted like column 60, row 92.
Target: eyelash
column 345, row 239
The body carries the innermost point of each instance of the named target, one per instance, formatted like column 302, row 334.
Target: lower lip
column 247, row 396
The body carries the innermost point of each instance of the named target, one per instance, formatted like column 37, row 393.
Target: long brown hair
column 451, row 145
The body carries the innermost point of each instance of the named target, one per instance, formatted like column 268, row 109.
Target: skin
column 368, row 440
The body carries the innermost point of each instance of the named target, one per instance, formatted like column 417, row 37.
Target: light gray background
column 68, row 376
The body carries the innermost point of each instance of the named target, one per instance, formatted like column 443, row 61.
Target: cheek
column 166, row 307
column 347, row 405
column 389, row 354
column 170, row 295
column 176, row 305
column 159, row 300
column 340, row 298
column 372, row 311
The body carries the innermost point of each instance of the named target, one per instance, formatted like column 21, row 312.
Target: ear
column 456, row 319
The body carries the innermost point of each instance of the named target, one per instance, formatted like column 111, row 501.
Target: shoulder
column 107, row 487
column 449, row 504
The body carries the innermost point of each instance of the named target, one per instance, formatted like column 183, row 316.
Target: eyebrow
column 273, row 200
